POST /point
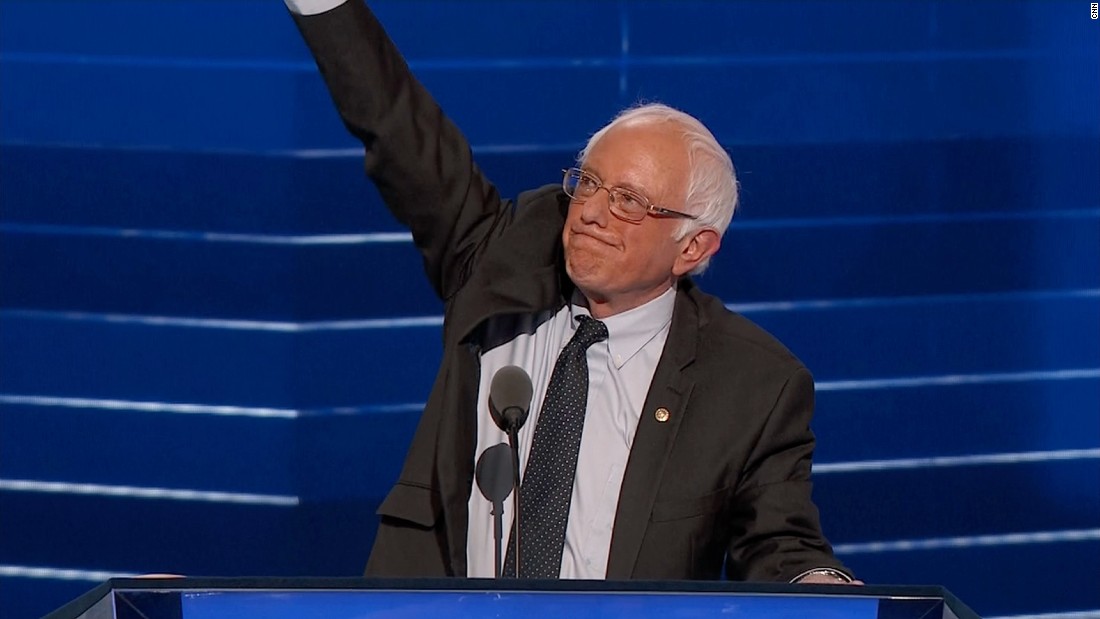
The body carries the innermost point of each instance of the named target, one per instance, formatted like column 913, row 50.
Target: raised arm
column 418, row 159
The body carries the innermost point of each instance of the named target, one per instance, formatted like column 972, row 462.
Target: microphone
column 509, row 404
column 510, row 398
column 494, row 479
column 494, row 473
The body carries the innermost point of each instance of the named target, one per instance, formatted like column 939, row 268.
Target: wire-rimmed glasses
column 625, row 204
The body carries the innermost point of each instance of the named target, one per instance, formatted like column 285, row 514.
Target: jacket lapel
column 653, row 442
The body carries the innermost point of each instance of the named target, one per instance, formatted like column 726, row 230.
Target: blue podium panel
column 530, row 605
column 531, row 599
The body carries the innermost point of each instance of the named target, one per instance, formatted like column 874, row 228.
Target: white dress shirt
column 620, row 371
column 312, row 7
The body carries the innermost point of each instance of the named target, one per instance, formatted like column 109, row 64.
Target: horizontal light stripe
column 54, row 573
column 233, row 325
column 1083, row 614
column 717, row 60
column 522, row 63
column 281, row 413
column 372, row 238
column 148, row 407
column 171, row 494
column 160, row 62
column 324, row 153
column 826, row 58
column 152, row 148
column 744, row 308
column 369, row 238
column 821, row 468
column 875, row 302
column 351, row 152
column 478, row 149
column 957, row 379
column 284, row 413
column 206, row 409
column 939, row 543
column 915, row 218
column 372, row 409
column 862, row 466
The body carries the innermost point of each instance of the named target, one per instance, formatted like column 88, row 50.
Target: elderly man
column 669, row 438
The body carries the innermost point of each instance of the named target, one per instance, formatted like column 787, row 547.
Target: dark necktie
column 547, row 487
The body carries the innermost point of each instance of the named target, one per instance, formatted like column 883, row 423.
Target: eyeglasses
column 625, row 204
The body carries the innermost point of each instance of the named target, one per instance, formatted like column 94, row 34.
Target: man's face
column 620, row 265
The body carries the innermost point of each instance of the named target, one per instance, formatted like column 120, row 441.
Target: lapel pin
column 661, row 415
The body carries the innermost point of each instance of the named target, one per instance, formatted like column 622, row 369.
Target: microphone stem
column 513, row 439
column 498, row 530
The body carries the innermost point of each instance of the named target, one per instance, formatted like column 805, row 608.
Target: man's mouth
column 603, row 239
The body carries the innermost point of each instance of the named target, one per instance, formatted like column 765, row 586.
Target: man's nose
column 597, row 207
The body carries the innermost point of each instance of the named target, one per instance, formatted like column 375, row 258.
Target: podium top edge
column 514, row 584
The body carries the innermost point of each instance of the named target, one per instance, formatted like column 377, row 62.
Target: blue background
column 214, row 341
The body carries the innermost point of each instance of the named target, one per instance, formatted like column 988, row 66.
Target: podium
column 298, row 598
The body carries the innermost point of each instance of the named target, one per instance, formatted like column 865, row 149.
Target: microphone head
column 494, row 473
column 510, row 397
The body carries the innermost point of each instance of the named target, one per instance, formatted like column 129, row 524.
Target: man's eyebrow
column 629, row 186
column 632, row 187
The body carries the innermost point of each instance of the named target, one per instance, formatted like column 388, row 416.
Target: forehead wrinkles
column 652, row 160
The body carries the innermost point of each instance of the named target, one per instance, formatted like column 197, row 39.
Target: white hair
column 712, row 188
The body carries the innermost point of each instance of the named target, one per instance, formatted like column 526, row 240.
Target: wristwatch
column 837, row 575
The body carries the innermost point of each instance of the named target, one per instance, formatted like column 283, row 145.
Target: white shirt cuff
column 312, row 7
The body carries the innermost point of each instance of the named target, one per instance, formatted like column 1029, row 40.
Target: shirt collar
column 631, row 330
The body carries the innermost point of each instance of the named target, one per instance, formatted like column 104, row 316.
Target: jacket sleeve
column 417, row 158
column 777, row 533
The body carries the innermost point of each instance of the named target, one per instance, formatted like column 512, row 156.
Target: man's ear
column 696, row 247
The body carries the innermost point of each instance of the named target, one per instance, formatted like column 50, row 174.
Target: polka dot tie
column 547, row 487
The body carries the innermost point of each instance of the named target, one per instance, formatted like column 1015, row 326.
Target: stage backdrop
column 214, row 341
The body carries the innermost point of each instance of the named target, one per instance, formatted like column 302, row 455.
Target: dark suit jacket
column 725, row 478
